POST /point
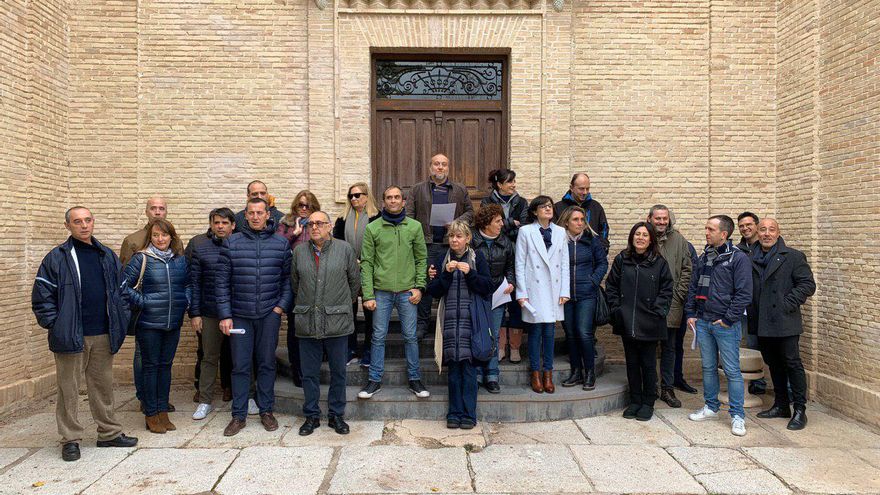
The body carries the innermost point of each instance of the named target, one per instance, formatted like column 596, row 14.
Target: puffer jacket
column 588, row 262
column 639, row 295
column 56, row 299
column 457, row 289
column 203, row 252
column 253, row 274
column 324, row 291
column 517, row 210
column 500, row 258
column 165, row 290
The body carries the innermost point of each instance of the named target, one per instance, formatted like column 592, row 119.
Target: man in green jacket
column 323, row 319
column 393, row 275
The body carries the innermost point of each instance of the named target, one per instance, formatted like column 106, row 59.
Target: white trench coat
column 541, row 276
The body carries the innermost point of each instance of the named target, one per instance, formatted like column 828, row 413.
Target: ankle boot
column 799, row 419
column 537, row 386
column 166, row 422
column 548, row 382
column 515, row 341
column 154, row 425
column 576, row 377
column 667, row 395
column 590, row 380
column 502, row 344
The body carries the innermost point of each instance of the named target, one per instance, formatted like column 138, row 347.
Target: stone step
column 514, row 403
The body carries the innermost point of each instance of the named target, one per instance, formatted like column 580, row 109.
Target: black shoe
column 645, row 413
column 467, row 425
column 416, row 387
column 799, row 420
column 493, row 387
column 452, row 424
column 667, row 395
column 590, row 380
column 171, row 407
column 338, row 424
column 756, row 388
column 575, row 378
column 70, row 451
column 370, row 389
column 297, row 382
column 631, row 411
column 309, row 426
column 684, row 387
column 775, row 412
column 120, row 441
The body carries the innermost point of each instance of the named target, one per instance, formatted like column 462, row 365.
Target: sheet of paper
column 499, row 297
column 528, row 307
column 442, row 214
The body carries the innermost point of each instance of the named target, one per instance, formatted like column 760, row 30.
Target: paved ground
column 606, row 454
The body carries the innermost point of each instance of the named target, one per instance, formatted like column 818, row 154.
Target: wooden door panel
column 473, row 140
column 404, row 143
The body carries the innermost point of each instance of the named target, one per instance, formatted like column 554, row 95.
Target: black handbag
column 136, row 312
column 602, row 316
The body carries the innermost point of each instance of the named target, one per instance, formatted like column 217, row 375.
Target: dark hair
column 747, row 214
column 254, row 201
column 653, row 249
column 535, row 203
column 657, row 207
column 725, row 223
column 223, row 212
column 486, row 214
column 168, row 228
column 402, row 194
column 255, row 182
column 576, row 177
column 501, row 175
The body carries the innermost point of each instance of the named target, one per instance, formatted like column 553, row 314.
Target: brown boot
column 154, row 424
column 515, row 341
column 548, row 382
column 537, row 387
column 166, row 422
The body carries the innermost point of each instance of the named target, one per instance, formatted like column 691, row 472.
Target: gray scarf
column 354, row 236
column 165, row 255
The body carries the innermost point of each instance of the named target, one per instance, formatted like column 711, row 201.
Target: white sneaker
column 202, row 411
column 738, row 426
column 703, row 414
column 253, row 409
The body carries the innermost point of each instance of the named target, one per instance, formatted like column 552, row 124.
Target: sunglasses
column 355, row 195
column 303, row 205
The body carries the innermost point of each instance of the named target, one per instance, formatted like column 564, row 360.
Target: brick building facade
column 709, row 106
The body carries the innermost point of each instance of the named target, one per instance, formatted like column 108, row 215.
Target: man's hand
column 416, row 296
column 196, row 323
column 370, row 305
column 720, row 323
column 226, row 326
column 278, row 310
column 692, row 324
column 464, row 267
column 432, row 272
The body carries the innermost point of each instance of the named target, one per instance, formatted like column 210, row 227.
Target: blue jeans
column 157, row 353
column 489, row 373
column 580, row 332
column 408, row 313
column 715, row 340
column 254, row 349
column 462, row 382
column 138, row 370
column 541, row 333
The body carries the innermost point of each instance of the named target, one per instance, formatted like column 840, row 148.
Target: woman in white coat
column 542, row 286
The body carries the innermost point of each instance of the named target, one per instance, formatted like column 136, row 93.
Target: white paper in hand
column 499, row 297
column 528, row 307
column 239, row 331
column 442, row 214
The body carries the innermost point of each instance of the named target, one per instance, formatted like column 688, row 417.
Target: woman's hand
column 522, row 302
column 562, row 301
column 509, row 289
column 297, row 228
column 432, row 272
column 451, row 266
column 464, row 267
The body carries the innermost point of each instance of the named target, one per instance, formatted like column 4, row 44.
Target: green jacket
column 674, row 247
column 393, row 257
column 323, row 298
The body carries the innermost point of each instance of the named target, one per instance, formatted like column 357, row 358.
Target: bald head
column 156, row 207
column 439, row 168
column 768, row 233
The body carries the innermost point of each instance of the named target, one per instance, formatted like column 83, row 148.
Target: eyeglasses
column 317, row 225
column 545, row 206
column 355, row 195
column 303, row 205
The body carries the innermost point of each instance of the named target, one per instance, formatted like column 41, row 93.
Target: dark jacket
column 203, row 252
column 595, row 214
column 56, row 299
column 165, row 290
column 324, row 291
column 458, row 289
column 241, row 221
column 500, row 258
column 730, row 287
column 746, row 247
column 775, row 310
column 588, row 263
column 518, row 210
column 639, row 295
column 253, row 274
column 418, row 206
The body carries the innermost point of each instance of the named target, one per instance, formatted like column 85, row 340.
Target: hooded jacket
column 674, row 247
column 595, row 215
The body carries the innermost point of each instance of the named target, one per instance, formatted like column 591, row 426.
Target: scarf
column 574, row 238
column 547, row 234
column 504, row 201
column 471, row 258
column 355, row 226
column 165, row 255
column 392, row 218
column 712, row 255
column 762, row 260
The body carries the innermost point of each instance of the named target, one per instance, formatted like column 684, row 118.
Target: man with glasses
column 258, row 189
column 319, row 271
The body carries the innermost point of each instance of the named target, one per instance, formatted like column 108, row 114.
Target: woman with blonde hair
column 293, row 225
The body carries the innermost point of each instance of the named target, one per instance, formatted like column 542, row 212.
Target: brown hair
column 486, row 214
column 168, row 228
column 566, row 215
column 314, row 205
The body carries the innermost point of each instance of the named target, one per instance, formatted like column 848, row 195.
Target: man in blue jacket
column 76, row 297
column 253, row 290
column 720, row 291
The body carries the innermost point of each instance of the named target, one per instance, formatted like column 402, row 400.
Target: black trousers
column 641, row 370
column 293, row 351
column 668, row 349
column 783, row 356
column 311, row 353
column 225, row 363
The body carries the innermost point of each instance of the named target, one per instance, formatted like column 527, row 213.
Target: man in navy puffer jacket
column 253, row 291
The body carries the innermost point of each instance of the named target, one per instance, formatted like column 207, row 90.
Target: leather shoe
column 493, row 387
column 548, row 382
column 227, row 394
column 535, row 381
column 589, row 379
column 452, row 424
column 775, row 412
column 309, row 426
column 70, row 451
column 667, row 395
column 756, row 389
column 234, row 426
column 799, row 420
column 631, row 411
column 685, row 387
column 575, row 378
column 120, row 441
column 269, row 421
column 338, row 425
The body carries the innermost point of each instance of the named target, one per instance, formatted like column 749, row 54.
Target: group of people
column 547, row 259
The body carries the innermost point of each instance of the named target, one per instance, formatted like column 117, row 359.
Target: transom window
column 438, row 80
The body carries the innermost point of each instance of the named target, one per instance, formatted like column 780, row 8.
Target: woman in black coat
column 639, row 290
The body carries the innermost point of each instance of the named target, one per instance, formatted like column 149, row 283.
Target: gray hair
column 69, row 210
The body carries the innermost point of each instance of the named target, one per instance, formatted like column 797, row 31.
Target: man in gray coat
column 323, row 319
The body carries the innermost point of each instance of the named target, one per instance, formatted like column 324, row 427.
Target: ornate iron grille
column 438, row 80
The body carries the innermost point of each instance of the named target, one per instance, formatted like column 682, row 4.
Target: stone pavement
column 605, row 454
